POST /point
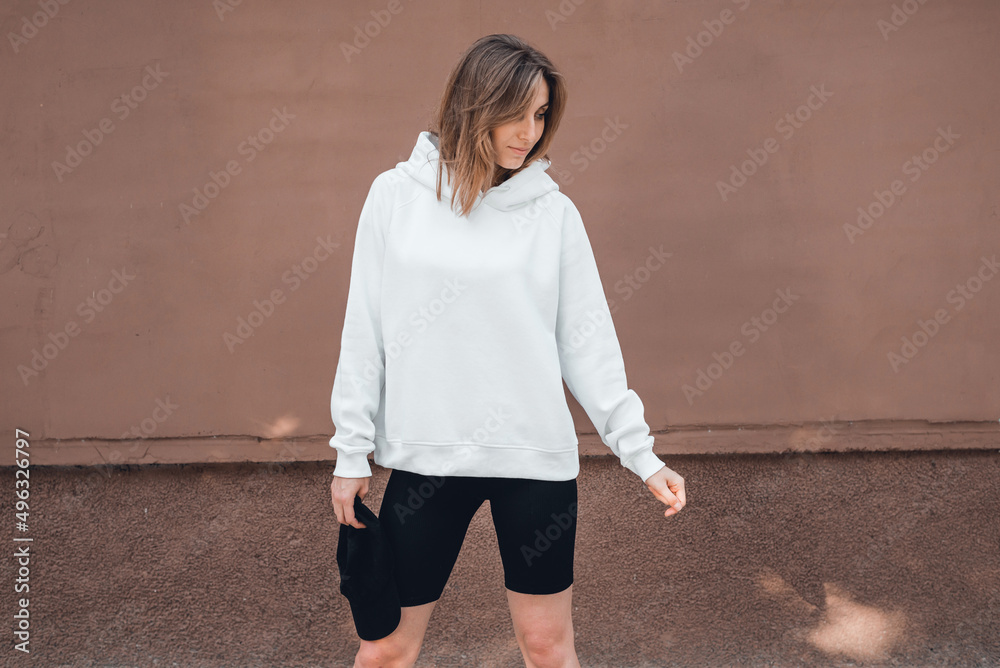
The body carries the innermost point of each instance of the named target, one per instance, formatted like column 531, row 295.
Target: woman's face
column 523, row 133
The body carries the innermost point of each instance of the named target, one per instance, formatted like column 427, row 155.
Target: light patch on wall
column 281, row 427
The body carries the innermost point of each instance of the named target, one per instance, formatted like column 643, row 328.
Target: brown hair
column 492, row 84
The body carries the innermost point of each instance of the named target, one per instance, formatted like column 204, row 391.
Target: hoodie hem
column 472, row 459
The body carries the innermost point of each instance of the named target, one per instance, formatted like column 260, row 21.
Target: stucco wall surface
column 183, row 184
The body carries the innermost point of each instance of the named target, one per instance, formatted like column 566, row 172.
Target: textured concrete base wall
column 836, row 559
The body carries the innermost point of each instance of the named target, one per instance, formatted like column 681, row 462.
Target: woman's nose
column 526, row 131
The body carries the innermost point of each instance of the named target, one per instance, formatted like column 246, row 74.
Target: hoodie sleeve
column 591, row 357
column 357, row 386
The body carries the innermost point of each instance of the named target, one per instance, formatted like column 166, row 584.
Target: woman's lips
column 519, row 151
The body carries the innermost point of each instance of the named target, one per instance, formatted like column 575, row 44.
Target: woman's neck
column 502, row 175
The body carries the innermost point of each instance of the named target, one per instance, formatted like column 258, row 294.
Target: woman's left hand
column 668, row 486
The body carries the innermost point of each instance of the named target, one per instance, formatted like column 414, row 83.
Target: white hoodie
column 459, row 332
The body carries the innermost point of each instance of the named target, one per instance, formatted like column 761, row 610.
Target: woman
column 474, row 293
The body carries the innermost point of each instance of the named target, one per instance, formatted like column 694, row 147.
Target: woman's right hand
column 343, row 491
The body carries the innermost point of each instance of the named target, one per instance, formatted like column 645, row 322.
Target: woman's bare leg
column 543, row 625
column 400, row 648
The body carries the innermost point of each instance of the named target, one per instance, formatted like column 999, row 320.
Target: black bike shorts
column 425, row 519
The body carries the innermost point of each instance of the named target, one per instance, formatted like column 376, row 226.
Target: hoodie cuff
column 352, row 466
column 645, row 464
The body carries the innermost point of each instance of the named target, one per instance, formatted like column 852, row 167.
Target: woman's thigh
column 425, row 519
column 404, row 642
column 535, row 521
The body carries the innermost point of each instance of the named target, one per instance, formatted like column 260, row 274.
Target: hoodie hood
column 519, row 190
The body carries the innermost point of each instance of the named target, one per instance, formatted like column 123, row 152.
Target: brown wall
column 824, row 359
column 144, row 371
